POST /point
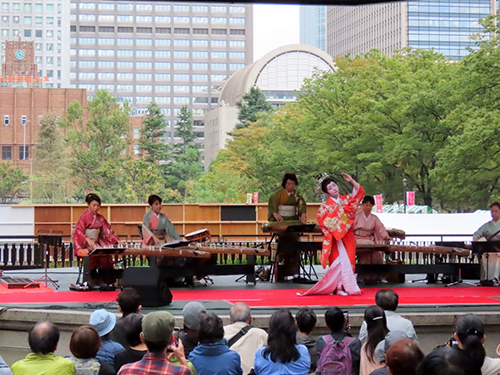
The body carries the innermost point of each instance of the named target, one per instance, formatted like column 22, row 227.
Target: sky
column 274, row 26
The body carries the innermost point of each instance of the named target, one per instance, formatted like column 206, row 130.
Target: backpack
column 336, row 358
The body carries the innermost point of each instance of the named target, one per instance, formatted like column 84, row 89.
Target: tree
column 99, row 145
column 468, row 167
column 51, row 180
column 186, row 162
column 151, row 144
column 253, row 102
column 11, row 179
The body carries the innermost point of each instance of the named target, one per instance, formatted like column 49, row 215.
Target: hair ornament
column 378, row 317
column 474, row 331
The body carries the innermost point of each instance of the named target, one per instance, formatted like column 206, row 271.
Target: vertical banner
column 249, row 198
column 378, row 203
column 410, row 198
column 256, row 197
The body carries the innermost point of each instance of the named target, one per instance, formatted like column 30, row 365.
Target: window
column 181, row 42
column 38, row 33
column 200, row 19
column 219, row 20
column 237, row 43
column 144, row 76
column 200, row 31
column 106, row 17
column 181, row 8
column 144, row 88
column 6, row 152
column 237, row 55
column 237, row 9
column 148, row 7
column 162, row 77
column 104, row 40
column 106, row 52
column 123, row 18
column 181, row 65
column 200, row 88
column 27, row 33
column 124, row 41
column 125, row 64
column 218, row 77
column 106, row 87
column 236, row 66
column 177, row 53
column 137, row 133
column 181, row 100
column 219, row 55
column 219, row 66
column 162, row 88
column 6, row 120
column 106, row 64
column 24, row 153
column 200, row 54
column 181, row 19
column 27, row 8
column 200, row 77
column 24, row 120
column 200, row 8
column 181, row 77
column 162, row 30
column 125, row 29
column 143, row 53
column 124, row 52
column 124, row 76
column 136, row 147
column 162, row 65
column 92, row 41
column 200, row 43
column 163, row 99
column 237, row 20
column 86, row 64
column 144, row 42
column 200, row 66
column 181, row 30
column 219, row 43
column 237, row 31
column 147, row 19
column 102, row 29
column 124, row 87
column 219, row 8
column 162, row 42
column 165, row 19
column 162, row 7
column 105, row 75
column 144, row 65
column 106, row 6
column 178, row 88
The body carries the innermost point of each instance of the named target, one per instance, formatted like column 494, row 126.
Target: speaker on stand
column 151, row 283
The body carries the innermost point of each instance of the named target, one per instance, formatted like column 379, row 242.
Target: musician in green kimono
column 490, row 231
column 287, row 204
column 156, row 227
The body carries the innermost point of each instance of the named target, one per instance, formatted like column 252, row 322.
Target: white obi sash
column 287, row 210
column 92, row 233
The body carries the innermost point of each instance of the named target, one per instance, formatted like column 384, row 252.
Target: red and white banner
column 410, row 198
column 255, row 197
column 378, row 203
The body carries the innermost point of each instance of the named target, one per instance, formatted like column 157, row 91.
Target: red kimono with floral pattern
column 335, row 220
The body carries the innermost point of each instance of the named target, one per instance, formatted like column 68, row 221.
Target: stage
column 433, row 308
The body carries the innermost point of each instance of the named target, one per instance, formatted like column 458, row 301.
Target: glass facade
column 445, row 25
column 313, row 26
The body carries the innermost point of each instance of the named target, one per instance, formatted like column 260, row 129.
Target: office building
column 174, row 54
column 445, row 26
column 313, row 26
column 46, row 23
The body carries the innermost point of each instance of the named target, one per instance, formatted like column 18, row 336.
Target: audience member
column 388, row 300
column 132, row 325
column 448, row 361
column 469, row 332
column 282, row 355
column 212, row 356
column 336, row 322
column 103, row 322
column 84, row 345
column 377, row 329
column 4, row 368
column 191, row 318
column 306, row 321
column 43, row 339
column 129, row 301
column 242, row 337
column 157, row 328
column 384, row 345
column 403, row 357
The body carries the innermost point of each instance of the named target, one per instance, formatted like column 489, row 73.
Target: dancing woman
column 335, row 218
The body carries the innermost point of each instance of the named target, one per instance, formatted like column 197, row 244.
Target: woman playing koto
column 335, row 218
column 156, row 227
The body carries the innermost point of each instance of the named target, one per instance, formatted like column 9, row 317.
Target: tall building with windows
column 46, row 23
column 174, row 54
column 313, row 26
column 445, row 25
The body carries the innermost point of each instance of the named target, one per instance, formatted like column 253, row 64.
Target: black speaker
column 151, row 283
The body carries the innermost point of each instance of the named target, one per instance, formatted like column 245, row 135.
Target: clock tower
column 19, row 62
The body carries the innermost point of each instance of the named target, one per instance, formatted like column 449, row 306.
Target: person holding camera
column 470, row 337
column 338, row 323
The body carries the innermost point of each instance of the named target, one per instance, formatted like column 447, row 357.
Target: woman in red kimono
column 92, row 230
column 335, row 218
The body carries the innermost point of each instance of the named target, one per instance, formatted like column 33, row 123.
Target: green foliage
column 185, row 166
column 152, row 146
column 11, row 179
column 98, row 146
column 253, row 103
column 52, row 174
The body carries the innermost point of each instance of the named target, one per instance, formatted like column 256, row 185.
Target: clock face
column 19, row 54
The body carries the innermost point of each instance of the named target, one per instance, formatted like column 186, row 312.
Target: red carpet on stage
column 434, row 296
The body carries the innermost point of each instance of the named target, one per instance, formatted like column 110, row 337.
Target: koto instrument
column 441, row 250
column 225, row 249
column 183, row 252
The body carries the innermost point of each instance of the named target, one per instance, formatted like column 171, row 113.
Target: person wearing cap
column 212, row 356
column 191, row 318
column 43, row 339
column 157, row 328
column 388, row 300
column 103, row 322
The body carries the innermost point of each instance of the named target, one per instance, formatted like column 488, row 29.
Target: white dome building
column 279, row 75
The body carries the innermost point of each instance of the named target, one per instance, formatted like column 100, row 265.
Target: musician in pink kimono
column 369, row 230
column 93, row 230
column 335, row 218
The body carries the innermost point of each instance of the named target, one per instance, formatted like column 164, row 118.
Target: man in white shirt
column 388, row 300
column 242, row 337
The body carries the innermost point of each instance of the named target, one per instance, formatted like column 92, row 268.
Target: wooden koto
column 441, row 250
column 220, row 249
column 183, row 252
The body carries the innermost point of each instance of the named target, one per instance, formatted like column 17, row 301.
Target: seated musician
column 156, row 227
column 93, row 230
column 490, row 231
column 369, row 230
column 288, row 204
